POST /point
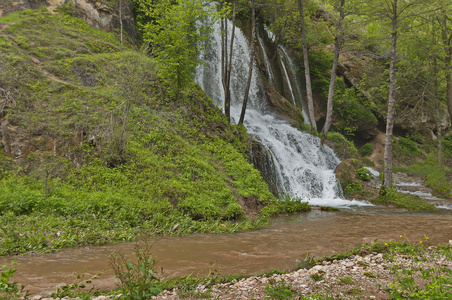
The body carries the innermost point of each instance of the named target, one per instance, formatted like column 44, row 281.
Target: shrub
column 353, row 188
column 388, row 196
column 356, row 114
column 279, row 290
column 8, row 289
column 342, row 147
column 363, row 174
column 366, row 149
column 137, row 281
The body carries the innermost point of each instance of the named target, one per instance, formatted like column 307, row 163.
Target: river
column 279, row 246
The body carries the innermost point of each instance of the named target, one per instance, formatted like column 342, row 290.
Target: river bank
column 391, row 270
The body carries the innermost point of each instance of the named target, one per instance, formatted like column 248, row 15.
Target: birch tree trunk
column 307, row 73
column 337, row 48
column 391, row 99
column 228, row 65
column 250, row 70
column 447, row 44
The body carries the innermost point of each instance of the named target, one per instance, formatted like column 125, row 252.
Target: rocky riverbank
column 364, row 275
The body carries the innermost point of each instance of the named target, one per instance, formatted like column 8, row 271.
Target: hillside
column 97, row 149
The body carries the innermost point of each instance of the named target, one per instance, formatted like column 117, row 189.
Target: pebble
column 301, row 281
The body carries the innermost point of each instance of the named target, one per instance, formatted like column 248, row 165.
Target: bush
column 363, row 174
column 353, row 188
column 342, row 147
column 388, row 196
column 366, row 149
column 137, row 281
column 8, row 289
column 356, row 114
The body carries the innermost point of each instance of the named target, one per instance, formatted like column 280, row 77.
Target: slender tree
column 226, row 60
column 391, row 96
column 307, row 73
column 446, row 34
column 337, row 49
column 250, row 69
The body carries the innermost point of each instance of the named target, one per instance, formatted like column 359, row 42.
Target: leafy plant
column 366, row 149
column 353, row 188
column 363, row 174
column 8, row 289
column 318, row 276
column 138, row 281
column 346, row 280
column 76, row 289
column 436, row 281
column 279, row 290
column 389, row 196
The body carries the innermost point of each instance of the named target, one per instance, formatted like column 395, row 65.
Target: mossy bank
column 97, row 149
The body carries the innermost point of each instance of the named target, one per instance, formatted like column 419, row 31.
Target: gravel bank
column 365, row 276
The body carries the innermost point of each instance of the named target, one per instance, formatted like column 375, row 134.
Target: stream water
column 280, row 246
column 304, row 168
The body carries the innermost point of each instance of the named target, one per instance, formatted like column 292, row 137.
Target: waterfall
column 291, row 66
column 304, row 167
column 289, row 84
column 267, row 61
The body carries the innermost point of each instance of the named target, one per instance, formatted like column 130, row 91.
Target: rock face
column 97, row 13
column 263, row 161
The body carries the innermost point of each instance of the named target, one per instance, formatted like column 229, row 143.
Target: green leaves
column 175, row 30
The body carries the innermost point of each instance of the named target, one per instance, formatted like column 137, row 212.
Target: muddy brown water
column 279, row 246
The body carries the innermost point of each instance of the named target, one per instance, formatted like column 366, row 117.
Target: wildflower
column 401, row 236
column 420, row 242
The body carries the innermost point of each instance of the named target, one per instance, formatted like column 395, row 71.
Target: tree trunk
column 337, row 48
column 250, row 72
column 228, row 67
column 307, row 73
column 120, row 18
column 447, row 64
column 391, row 101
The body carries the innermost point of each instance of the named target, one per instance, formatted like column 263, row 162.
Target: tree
column 446, row 36
column 226, row 60
column 395, row 15
column 337, row 48
column 174, row 31
column 307, row 73
column 250, row 69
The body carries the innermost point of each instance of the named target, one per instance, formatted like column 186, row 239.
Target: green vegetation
column 174, row 35
column 436, row 177
column 137, row 281
column 346, row 280
column 328, row 208
column 353, row 188
column 355, row 112
column 389, row 196
column 77, row 289
column 342, row 147
column 366, row 149
column 279, row 290
column 363, row 174
column 10, row 290
column 109, row 152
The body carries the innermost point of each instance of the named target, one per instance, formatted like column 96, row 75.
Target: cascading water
column 289, row 84
column 285, row 57
column 267, row 61
column 304, row 166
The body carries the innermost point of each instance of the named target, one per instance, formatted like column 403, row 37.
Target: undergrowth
column 107, row 152
column 388, row 196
